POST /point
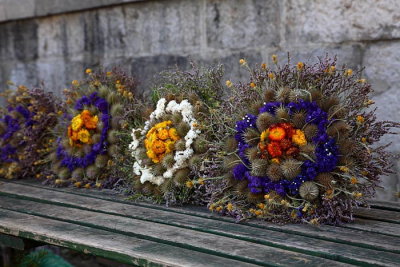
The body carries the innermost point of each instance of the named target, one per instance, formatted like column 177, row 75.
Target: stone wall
column 53, row 41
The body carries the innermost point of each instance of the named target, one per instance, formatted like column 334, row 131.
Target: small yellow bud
column 200, row 181
column 275, row 59
column 271, row 75
column 258, row 212
column 219, row 208
column 275, row 160
column 362, row 81
column 252, row 85
column 98, row 185
column 87, row 186
column 88, row 71
column 261, row 205
column 300, row 65
column 344, row 169
column 78, row 184
column 353, row 180
column 228, row 83
column 242, row 61
column 109, row 73
column 364, row 140
column 360, row 119
column 267, row 196
column 348, row 72
column 189, row 184
column 229, row 207
column 75, row 83
column 332, row 69
column 264, row 66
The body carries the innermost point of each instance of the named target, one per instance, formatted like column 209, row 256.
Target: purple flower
column 239, row 171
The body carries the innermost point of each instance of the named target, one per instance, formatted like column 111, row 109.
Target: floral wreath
column 88, row 142
column 82, row 123
column 163, row 147
column 304, row 154
column 24, row 132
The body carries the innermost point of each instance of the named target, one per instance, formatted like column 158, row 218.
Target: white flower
column 181, row 157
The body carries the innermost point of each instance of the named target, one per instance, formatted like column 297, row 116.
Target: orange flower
column 158, row 147
column 92, row 123
column 277, row 134
column 163, row 134
column 274, row 149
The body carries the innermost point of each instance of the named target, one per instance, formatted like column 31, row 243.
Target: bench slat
column 189, row 239
column 103, row 243
column 277, row 234
column 378, row 214
column 386, row 205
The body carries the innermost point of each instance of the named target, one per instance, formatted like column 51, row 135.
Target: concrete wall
column 55, row 40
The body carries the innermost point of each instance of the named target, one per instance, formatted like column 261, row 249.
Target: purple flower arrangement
column 73, row 162
column 24, row 132
column 302, row 152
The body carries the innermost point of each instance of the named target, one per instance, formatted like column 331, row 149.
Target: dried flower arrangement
column 170, row 151
column 305, row 152
column 26, row 131
column 89, row 134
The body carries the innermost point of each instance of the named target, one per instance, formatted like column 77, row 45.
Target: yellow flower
column 84, row 136
column 173, row 134
column 267, row 196
column 299, row 138
column 200, row 181
column 271, row 75
column 357, row 194
column 88, row 71
column 189, row 184
column 87, row 186
column 275, row 59
column 344, row 169
column 78, row 184
column 362, row 80
column 261, row 205
column 275, row 160
column 360, row 119
column 229, row 207
column 348, row 72
column 252, row 85
column 228, row 83
column 158, row 147
column 264, row 66
column 258, row 212
column 300, row 65
column 75, row 83
column 363, row 140
column 76, row 123
column 163, row 134
column 332, row 69
column 219, row 208
column 264, row 135
column 108, row 73
column 242, row 61
column 353, row 180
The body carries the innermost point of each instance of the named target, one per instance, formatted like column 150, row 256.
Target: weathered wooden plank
column 384, row 228
column 386, row 205
column 204, row 242
column 276, row 235
column 125, row 249
column 378, row 214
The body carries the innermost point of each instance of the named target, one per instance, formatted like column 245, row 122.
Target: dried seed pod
column 329, row 102
column 63, row 173
column 255, row 107
column 283, row 94
column 299, row 119
column 325, row 179
column 338, row 129
column 241, row 187
column 310, row 131
column 101, row 161
column 265, row 120
column 200, row 145
column 274, row 172
column 282, row 114
column 309, row 191
column 113, row 98
column 92, row 172
column 181, row 176
column 252, row 136
column 230, row 145
column 315, row 94
column 291, row 168
column 180, row 145
column 168, row 161
column 252, row 153
column 116, row 109
column 259, row 167
column 182, row 129
column 112, row 136
column 230, row 162
column 309, row 150
column 195, row 161
column 158, row 170
column 269, row 95
column 255, row 198
column 78, row 174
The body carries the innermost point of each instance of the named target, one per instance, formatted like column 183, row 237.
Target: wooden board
column 122, row 248
column 345, row 245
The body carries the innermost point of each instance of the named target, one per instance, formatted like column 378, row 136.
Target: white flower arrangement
column 181, row 157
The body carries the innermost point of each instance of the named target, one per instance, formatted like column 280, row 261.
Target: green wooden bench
column 103, row 224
